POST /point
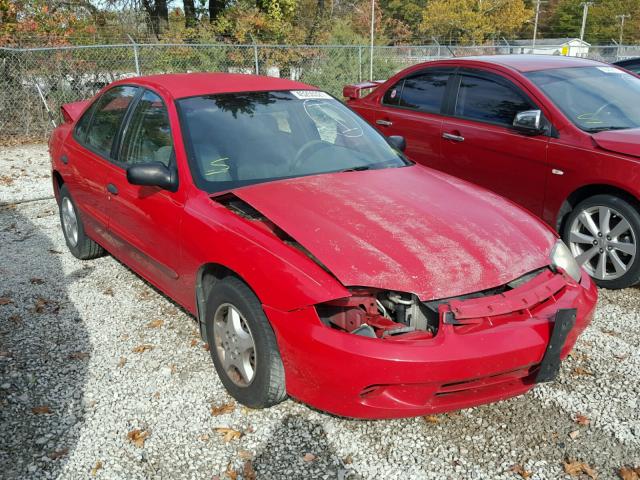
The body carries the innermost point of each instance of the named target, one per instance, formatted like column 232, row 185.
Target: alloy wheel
column 234, row 344
column 603, row 242
column 69, row 221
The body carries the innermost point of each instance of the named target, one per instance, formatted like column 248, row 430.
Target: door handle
column 451, row 136
column 111, row 188
column 384, row 123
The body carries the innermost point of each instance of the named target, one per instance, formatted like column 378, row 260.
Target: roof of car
column 180, row 85
column 530, row 63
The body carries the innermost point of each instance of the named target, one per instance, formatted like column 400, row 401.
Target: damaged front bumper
column 471, row 361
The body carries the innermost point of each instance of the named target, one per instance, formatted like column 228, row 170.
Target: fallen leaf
column 78, row 355
column 204, row 437
column 582, row 420
column 309, row 457
column 629, row 473
column 15, row 318
column 581, row 371
column 612, row 333
column 573, row 435
column 194, row 342
column 620, row 356
column 96, row 467
column 55, row 252
column 231, row 473
column 36, row 281
column 222, row 409
column 248, row 473
column 108, row 291
column 41, row 410
column 122, row 362
column 142, row 348
column 206, row 347
column 138, row 437
column 245, row 454
column 5, row 354
column 58, row 454
column 6, row 180
column 155, row 323
column 228, row 434
column 5, row 301
column 519, row 469
column 40, row 304
column 575, row 468
column 431, row 419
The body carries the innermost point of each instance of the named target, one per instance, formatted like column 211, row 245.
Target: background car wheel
column 602, row 233
column 243, row 346
column 78, row 243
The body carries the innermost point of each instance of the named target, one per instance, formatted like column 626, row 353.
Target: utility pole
column 535, row 24
column 585, row 11
column 622, row 17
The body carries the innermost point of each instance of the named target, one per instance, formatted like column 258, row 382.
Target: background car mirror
column 153, row 174
column 398, row 142
column 529, row 121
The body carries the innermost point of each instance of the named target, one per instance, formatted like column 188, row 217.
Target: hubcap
column 69, row 221
column 603, row 242
column 234, row 344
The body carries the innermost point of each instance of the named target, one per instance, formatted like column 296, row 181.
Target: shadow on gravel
column 44, row 353
column 283, row 456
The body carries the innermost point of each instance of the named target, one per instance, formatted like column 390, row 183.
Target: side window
column 392, row 95
column 489, row 100
column 110, row 110
column 424, row 91
column 148, row 135
column 83, row 124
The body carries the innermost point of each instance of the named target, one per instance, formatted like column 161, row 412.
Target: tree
column 216, row 7
column 158, row 12
column 473, row 20
column 190, row 19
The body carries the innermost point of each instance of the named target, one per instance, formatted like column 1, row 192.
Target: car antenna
column 53, row 122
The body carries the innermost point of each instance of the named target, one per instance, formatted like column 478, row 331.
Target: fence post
column 359, row 63
column 135, row 54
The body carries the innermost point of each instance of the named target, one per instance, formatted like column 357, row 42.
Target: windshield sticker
column 609, row 70
column 310, row 94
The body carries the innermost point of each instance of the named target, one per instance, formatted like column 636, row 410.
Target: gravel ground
column 101, row 376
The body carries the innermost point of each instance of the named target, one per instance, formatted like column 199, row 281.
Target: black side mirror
column 153, row 174
column 398, row 142
column 529, row 122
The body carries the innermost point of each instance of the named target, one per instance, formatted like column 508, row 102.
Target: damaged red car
column 319, row 261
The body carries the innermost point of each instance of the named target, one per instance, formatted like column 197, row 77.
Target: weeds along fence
column 66, row 74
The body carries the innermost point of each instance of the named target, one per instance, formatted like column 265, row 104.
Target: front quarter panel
column 282, row 276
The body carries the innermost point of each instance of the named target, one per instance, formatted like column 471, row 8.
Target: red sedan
column 557, row 135
column 319, row 261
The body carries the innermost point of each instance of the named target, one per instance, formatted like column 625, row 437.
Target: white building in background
column 569, row 47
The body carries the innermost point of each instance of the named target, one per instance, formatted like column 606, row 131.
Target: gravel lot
column 101, row 376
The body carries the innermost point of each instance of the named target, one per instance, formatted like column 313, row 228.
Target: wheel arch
column 57, row 181
column 587, row 191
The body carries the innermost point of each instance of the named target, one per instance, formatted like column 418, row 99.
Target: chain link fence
column 67, row 74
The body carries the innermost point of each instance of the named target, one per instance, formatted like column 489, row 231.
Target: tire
column 78, row 243
column 267, row 385
column 592, row 241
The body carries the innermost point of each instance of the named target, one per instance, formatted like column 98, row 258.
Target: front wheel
column 243, row 346
column 79, row 244
column 602, row 233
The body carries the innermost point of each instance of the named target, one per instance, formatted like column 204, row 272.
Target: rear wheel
column 78, row 243
column 602, row 233
column 243, row 346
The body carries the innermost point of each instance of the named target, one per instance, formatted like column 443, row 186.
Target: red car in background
column 318, row 260
column 557, row 135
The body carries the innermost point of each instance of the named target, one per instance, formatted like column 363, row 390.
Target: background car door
column 479, row 143
column 88, row 156
column 412, row 108
column 144, row 222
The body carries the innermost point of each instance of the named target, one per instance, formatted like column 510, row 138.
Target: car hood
column 408, row 229
column 626, row 142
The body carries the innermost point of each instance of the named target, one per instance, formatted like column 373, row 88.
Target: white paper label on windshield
column 310, row 94
column 609, row 70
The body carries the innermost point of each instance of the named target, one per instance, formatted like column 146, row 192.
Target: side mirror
column 153, row 174
column 398, row 142
column 529, row 122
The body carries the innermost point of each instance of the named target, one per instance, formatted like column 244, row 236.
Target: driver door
column 480, row 145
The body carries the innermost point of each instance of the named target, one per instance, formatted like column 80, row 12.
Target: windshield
column 594, row 98
column 239, row 139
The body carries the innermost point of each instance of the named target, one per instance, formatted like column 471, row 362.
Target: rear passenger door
column 479, row 142
column 412, row 108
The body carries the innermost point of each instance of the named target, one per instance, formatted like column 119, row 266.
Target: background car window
column 148, row 136
column 489, row 101
column 110, row 111
column 424, row 91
